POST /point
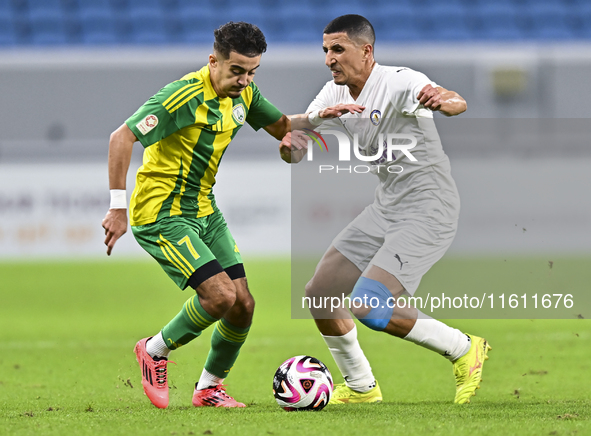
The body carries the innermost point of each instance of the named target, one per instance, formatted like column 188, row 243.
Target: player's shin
column 226, row 342
column 187, row 324
column 351, row 360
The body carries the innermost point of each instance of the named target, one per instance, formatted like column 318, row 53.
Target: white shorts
column 406, row 248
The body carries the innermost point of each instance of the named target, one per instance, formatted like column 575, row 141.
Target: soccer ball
column 302, row 383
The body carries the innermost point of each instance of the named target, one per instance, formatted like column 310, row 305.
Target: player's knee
column 314, row 295
column 217, row 295
column 311, row 289
column 246, row 304
column 222, row 301
column 371, row 303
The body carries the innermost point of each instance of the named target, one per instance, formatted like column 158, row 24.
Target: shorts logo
column 147, row 124
column 375, row 117
column 400, row 260
column 238, row 113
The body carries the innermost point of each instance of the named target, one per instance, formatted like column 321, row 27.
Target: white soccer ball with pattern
column 302, row 383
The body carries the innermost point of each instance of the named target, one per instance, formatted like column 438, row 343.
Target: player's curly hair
column 243, row 38
column 356, row 27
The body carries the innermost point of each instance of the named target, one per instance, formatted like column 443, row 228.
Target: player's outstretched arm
column 293, row 146
column 313, row 119
column 120, row 147
column 279, row 128
column 447, row 102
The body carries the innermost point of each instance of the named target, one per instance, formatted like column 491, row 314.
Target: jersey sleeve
column 261, row 112
column 159, row 117
column 405, row 98
column 322, row 100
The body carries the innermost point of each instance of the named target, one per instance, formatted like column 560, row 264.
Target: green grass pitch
column 67, row 366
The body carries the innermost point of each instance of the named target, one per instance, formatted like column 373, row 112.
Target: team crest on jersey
column 375, row 117
column 238, row 113
column 147, row 124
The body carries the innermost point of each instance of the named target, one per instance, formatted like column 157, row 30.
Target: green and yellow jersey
column 185, row 129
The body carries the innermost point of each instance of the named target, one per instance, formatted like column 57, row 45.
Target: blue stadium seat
column 441, row 21
column 48, row 27
column 498, row 21
column 255, row 14
column 148, row 26
column 330, row 9
column 548, row 20
column 399, row 24
column 135, row 6
column 297, row 23
column 87, row 6
column 7, row 29
column 6, row 7
column 39, row 6
column 50, row 22
column 582, row 16
column 98, row 26
column 197, row 23
column 425, row 4
column 503, row 3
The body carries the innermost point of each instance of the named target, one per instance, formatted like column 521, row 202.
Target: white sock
column 436, row 336
column 208, row 380
column 156, row 347
column 351, row 361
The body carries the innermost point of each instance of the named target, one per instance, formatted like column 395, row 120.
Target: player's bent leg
column 466, row 352
column 229, row 335
column 217, row 294
column 335, row 276
column 183, row 328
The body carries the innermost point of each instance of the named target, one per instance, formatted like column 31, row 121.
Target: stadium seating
column 115, row 22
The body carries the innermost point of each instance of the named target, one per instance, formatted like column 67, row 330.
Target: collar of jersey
column 208, row 91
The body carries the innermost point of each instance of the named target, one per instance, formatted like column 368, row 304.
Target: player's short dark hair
column 357, row 28
column 243, row 38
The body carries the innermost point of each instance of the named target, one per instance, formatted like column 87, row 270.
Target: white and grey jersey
column 421, row 188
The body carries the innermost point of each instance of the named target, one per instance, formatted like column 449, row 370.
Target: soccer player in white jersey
column 385, row 251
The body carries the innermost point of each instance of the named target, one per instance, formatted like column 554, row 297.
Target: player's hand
column 430, row 98
column 115, row 225
column 293, row 146
column 340, row 109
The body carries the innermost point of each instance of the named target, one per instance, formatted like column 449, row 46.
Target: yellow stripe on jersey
column 178, row 94
column 158, row 158
column 247, row 96
column 196, row 92
column 172, row 259
column 178, row 254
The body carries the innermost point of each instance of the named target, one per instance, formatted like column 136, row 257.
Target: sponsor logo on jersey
column 375, row 117
column 238, row 113
column 147, row 124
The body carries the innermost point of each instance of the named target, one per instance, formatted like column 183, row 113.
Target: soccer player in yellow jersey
column 185, row 129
